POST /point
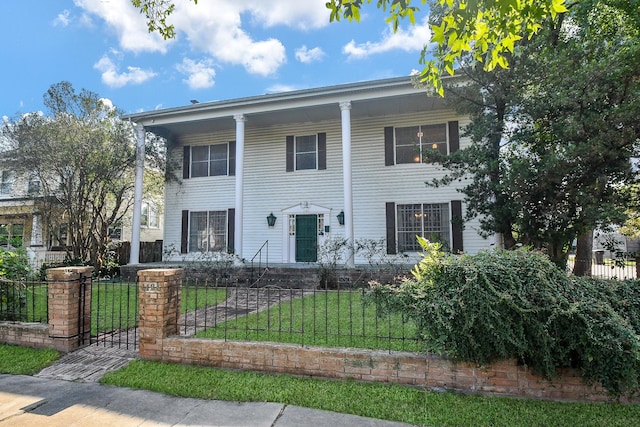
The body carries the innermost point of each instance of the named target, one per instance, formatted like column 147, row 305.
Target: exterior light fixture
column 271, row 219
column 340, row 217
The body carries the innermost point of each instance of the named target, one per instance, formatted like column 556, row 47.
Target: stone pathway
column 90, row 363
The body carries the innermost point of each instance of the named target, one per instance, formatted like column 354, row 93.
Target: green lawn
column 330, row 319
column 18, row 360
column 383, row 401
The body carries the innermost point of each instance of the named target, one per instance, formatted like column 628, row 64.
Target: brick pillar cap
column 160, row 272
column 68, row 273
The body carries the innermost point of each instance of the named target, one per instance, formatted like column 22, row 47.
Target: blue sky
column 224, row 49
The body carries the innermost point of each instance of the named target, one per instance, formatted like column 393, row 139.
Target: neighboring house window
column 11, row 234
column 208, row 231
column 115, row 231
column 58, row 238
column 6, row 183
column 306, row 152
column 428, row 220
column 209, row 160
column 411, row 144
column 34, row 185
column 149, row 216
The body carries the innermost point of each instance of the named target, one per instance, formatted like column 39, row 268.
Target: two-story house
column 300, row 167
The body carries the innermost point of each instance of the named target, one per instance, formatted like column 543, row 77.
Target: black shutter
column 185, row 233
column 231, row 230
column 388, row 146
column 232, row 158
column 290, row 153
column 454, row 137
column 456, row 226
column 391, row 228
column 322, row 151
column 186, row 161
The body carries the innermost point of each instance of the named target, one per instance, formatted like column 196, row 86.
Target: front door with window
column 306, row 238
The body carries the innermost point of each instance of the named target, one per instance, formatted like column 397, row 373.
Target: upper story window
column 413, row 142
column 209, row 160
column 6, row 182
column 149, row 216
column 307, row 152
column 33, row 185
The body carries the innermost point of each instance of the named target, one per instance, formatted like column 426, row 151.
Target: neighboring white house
column 310, row 158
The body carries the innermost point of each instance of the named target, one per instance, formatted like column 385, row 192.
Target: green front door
column 306, row 238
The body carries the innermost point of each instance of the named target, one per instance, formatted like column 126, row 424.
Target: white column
column 134, row 257
column 36, row 230
column 237, row 243
column 345, row 108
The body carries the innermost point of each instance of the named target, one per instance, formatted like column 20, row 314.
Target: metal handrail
column 258, row 254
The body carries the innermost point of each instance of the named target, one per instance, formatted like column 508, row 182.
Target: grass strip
column 326, row 318
column 383, row 401
column 18, row 360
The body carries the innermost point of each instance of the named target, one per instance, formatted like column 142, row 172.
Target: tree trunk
column 584, row 249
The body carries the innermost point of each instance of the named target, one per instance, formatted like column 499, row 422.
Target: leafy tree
column 84, row 157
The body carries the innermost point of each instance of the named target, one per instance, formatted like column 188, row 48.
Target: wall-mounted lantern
column 271, row 219
column 340, row 217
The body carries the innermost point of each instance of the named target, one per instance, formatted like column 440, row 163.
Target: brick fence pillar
column 159, row 313
column 69, row 306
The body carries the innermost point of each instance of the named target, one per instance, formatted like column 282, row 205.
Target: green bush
column 14, row 268
column 517, row 304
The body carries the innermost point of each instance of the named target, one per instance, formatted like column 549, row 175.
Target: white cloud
column 281, row 88
column 112, row 78
column 128, row 23
column 411, row 40
column 306, row 55
column 199, row 74
column 62, row 19
column 215, row 28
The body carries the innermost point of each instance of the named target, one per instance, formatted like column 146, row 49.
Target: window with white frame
column 208, row 231
column 6, row 182
column 149, row 217
column 428, row 220
column 209, row 160
column 306, row 152
column 11, row 234
column 414, row 142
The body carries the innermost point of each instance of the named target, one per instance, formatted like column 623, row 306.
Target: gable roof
column 370, row 98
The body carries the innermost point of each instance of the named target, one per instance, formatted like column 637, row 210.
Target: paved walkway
column 33, row 402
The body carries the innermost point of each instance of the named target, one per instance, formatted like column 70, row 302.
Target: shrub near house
column 14, row 265
column 517, row 304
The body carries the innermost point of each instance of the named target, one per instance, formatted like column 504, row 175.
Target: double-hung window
column 6, row 182
column 209, row 160
column 208, row 231
column 414, row 142
column 307, row 152
column 149, row 217
column 428, row 220
column 11, row 234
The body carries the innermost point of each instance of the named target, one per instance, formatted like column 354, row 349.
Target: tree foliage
column 84, row 157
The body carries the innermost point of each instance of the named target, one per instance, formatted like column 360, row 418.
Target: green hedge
column 517, row 304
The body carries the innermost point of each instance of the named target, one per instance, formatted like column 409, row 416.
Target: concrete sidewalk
column 31, row 401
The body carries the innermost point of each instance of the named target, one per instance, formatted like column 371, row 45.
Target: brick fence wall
column 68, row 287
column 160, row 299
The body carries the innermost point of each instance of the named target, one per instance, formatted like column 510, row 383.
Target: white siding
column 269, row 188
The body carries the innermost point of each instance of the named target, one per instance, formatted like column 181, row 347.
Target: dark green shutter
column 391, row 228
column 456, row 226
column 185, row 233
column 232, row 158
column 388, row 146
column 290, row 153
column 322, row 151
column 454, row 137
column 186, row 161
column 231, row 230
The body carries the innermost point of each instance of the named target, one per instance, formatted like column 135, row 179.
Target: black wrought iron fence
column 323, row 317
column 23, row 301
column 619, row 266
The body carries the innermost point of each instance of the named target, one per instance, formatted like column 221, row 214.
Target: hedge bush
column 517, row 304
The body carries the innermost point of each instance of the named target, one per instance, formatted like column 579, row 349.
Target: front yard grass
column 18, row 360
column 383, row 401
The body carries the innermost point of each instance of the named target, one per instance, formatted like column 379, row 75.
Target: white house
column 334, row 162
